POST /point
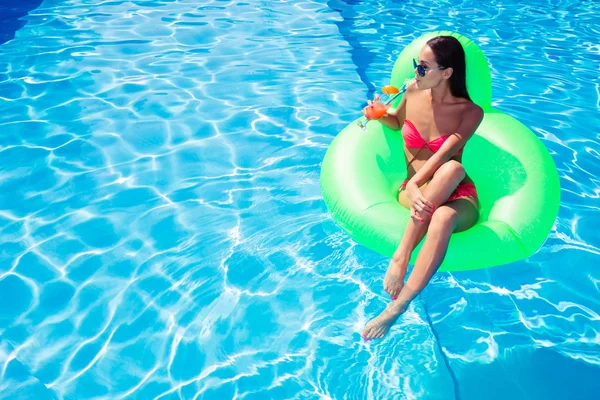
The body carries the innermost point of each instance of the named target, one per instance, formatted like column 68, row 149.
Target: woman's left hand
column 419, row 205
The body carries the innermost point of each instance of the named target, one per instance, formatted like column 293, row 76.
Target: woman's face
column 433, row 76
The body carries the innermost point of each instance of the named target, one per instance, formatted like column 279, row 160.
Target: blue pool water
column 163, row 230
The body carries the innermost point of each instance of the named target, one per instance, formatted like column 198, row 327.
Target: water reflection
column 11, row 16
column 361, row 56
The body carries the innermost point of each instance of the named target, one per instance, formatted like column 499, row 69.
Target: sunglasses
column 421, row 69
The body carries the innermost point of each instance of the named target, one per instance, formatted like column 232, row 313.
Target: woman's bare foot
column 394, row 277
column 379, row 327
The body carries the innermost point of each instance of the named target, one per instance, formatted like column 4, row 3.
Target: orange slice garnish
column 390, row 89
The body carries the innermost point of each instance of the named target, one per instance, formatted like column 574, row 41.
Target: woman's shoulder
column 411, row 89
column 473, row 111
column 472, row 115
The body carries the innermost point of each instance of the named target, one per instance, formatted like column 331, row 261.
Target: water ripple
column 162, row 220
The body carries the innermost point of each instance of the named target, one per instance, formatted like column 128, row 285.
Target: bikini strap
column 415, row 156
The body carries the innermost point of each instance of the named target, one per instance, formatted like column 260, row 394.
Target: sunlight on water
column 164, row 234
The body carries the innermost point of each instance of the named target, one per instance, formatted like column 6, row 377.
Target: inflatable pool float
column 515, row 175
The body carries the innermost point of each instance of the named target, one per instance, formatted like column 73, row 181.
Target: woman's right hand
column 369, row 102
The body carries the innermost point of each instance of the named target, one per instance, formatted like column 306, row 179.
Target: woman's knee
column 444, row 218
column 452, row 170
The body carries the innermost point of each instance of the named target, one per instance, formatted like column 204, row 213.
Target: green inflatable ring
column 515, row 175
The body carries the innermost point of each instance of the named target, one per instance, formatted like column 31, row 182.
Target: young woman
column 437, row 118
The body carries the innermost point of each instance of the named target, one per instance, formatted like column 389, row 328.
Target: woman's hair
column 449, row 53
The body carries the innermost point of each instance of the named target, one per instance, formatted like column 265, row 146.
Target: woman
column 437, row 118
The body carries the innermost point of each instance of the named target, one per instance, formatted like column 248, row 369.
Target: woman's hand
column 419, row 205
column 376, row 98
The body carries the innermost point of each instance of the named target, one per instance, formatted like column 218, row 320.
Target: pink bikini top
column 414, row 140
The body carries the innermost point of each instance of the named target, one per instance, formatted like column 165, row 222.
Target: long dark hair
column 449, row 53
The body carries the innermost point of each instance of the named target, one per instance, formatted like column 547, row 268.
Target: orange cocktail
column 380, row 106
column 376, row 110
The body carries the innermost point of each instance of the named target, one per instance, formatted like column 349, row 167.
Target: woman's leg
column 394, row 277
column 438, row 190
column 456, row 215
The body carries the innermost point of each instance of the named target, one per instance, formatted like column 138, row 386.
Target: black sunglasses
column 421, row 69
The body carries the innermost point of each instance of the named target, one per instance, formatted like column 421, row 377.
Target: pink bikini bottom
column 462, row 190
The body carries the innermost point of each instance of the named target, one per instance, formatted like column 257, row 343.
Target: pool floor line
column 439, row 346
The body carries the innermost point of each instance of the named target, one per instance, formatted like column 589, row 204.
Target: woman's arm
column 467, row 128
column 394, row 118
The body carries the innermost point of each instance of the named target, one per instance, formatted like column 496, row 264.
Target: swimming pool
column 164, row 234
